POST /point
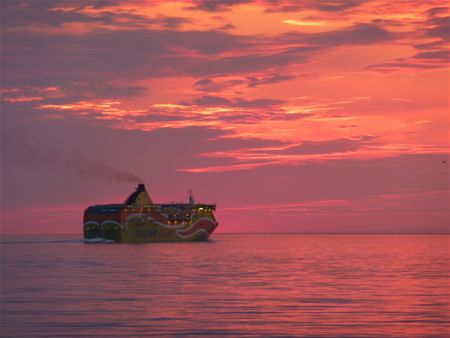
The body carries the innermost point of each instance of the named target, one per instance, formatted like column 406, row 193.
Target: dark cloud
column 440, row 28
column 210, row 86
column 254, row 81
column 227, row 26
column 387, row 22
column 284, row 8
column 340, row 145
column 438, row 55
column 203, row 82
column 17, row 14
column 95, row 90
column 241, row 118
column 257, row 103
column 323, row 5
column 158, row 116
column 429, row 55
column 437, row 10
column 111, row 91
column 400, row 64
column 307, row 44
column 360, row 34
column 429, row 45
column 337, row 5
column 209, row 100
column 216, row 5
column 326, row 147
column 41, row 59
column 245, row 64
column 173, row 22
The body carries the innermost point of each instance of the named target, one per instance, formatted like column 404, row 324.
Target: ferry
column 139, row 220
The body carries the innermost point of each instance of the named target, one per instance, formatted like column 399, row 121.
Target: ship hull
column 125, row 225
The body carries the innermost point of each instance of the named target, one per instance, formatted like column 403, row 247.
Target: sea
column 235, row 285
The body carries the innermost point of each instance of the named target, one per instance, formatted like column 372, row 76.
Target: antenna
column 191, row 197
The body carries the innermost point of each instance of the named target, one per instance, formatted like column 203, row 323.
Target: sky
column 292, row 116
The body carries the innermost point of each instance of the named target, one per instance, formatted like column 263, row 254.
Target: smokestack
column 140, row 197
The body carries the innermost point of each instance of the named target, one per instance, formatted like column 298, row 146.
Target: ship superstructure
column 138, row 219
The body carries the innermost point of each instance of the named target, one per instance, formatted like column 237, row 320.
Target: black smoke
column 56, row 161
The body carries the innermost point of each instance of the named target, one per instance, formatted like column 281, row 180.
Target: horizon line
column 271, row 233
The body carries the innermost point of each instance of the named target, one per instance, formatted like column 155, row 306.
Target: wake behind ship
column 138, row 220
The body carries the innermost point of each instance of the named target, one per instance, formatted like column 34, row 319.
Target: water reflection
column 236, row 285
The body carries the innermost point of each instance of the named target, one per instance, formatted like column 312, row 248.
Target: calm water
column 235, row 285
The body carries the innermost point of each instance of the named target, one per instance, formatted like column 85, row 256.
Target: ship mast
column 191, row 198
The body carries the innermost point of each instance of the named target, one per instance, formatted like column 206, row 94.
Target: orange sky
column 315, row 116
